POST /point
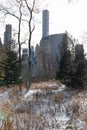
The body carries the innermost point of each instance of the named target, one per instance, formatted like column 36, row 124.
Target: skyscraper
column 45, row 24
column 8, row 36
column 0, row 43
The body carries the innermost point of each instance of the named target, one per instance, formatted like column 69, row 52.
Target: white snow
column 57, row 115
column 29, row 94
column 4, row 95
column 53, row 85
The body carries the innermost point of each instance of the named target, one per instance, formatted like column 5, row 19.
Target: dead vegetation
column 42, row 110
column 45, row 85
column 59, row 98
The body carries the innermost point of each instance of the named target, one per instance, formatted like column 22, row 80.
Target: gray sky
column 63, row 16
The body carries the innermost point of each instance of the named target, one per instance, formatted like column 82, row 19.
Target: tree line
column 72, row 68
column 24, row 12
column 9, row 67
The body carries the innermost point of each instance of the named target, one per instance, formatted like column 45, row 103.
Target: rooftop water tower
column 45, row 23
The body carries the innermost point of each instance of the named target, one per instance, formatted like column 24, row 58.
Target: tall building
column 45, row 24
column 8, row 36
column 48, row 55
column 0, row 43
column 1, row 47
column 48, row 52
column 24, row 54
column 32, row 53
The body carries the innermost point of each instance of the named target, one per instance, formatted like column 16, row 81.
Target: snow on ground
column 53, row 107
column 4, row 95
column 29, row 94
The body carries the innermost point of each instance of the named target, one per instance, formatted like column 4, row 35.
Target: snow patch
column 30, row 93
column 52, row 85
column 4, row 95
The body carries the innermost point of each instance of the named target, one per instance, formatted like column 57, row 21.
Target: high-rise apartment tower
column 8, row 36
column 45, row 23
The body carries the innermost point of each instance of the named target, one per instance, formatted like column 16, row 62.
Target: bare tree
column 28, row 9
column 31, row 26
column 19, row 31
column 8, row 11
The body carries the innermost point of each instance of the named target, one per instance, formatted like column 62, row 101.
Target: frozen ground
column 50, row 106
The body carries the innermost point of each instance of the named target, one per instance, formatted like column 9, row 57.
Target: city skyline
column 63, row 16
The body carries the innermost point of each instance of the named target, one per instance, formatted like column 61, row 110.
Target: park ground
column 48, row 105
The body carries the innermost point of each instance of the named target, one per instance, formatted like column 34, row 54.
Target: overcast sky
column 71, row 17
column 63, row 16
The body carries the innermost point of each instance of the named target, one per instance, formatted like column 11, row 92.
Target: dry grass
column 40, row 85
column 24, row 121
column 58, row 98
column 44, row 85
column 69, row 128
column 84, row 117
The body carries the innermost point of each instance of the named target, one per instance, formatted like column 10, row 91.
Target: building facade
column 45, row 23
column 48, row 55
column 8, row 36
